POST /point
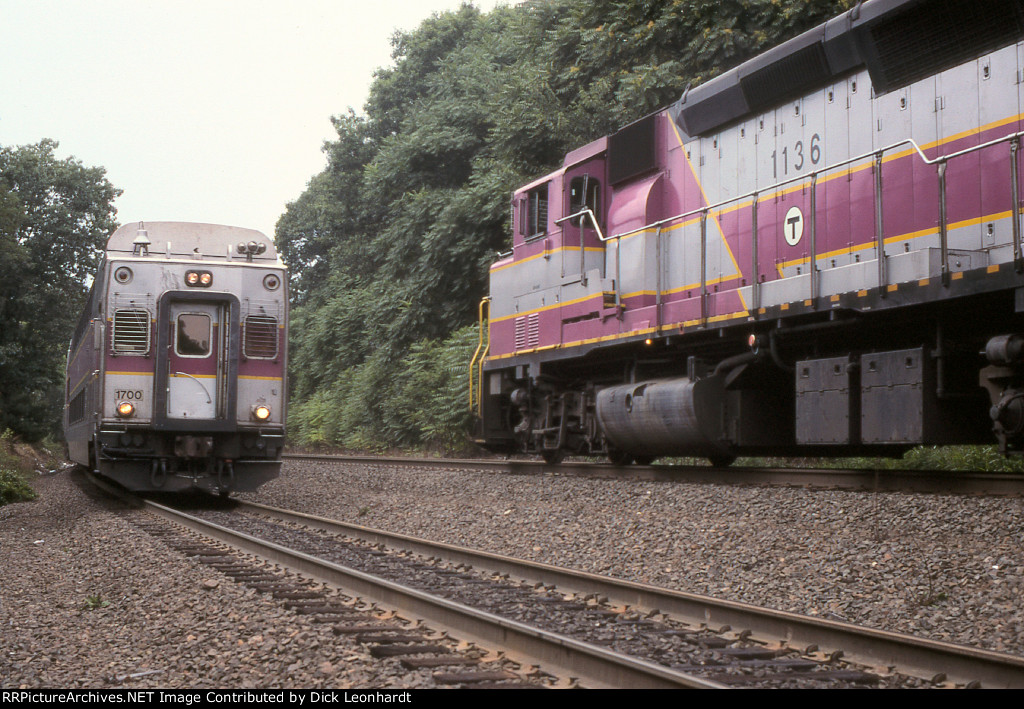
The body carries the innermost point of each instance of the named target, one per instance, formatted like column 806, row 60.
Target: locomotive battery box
column 823, row 401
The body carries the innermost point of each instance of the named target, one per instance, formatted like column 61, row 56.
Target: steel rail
column 595, row 666
column 876, row 648
column 1010, row 484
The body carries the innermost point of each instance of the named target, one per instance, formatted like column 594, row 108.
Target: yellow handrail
column 476, row 365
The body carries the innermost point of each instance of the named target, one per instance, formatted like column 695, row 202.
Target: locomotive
column 816, row 253
column 176, row 373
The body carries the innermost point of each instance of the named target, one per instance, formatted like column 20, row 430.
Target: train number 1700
column 128, row 394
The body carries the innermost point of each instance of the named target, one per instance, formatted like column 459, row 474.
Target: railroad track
column 605, row 632
column 415, row 646
column 973, row 483
column 557, row 655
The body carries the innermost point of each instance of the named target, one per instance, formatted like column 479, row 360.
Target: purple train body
column 176, row 372
column 816, row 253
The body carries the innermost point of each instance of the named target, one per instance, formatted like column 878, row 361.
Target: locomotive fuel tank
column 665, row 417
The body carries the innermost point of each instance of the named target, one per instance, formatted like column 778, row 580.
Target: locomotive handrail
column 585, row 212
column 1015, row 186
column 209, row 400
column 482, row 347
column 800, row 178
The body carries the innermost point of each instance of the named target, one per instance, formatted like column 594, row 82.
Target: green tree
column 13, row 281
column 325, row 228
column 55, row 216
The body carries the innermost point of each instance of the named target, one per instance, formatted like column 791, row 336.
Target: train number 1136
column 797, row 157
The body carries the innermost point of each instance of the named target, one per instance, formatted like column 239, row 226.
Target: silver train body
column 176, row 374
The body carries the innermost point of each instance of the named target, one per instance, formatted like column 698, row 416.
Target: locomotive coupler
column 158, row 473
column 193, row 446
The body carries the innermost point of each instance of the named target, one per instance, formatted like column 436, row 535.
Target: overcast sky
column 200, row 110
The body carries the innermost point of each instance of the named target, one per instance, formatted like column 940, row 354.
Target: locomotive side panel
column 264, row 350
column 83, row 384
column 842, row 204
column 129, row 327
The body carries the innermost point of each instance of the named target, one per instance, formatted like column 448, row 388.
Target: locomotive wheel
column 644, row 459
column 552, row 457
column 617, row 457
column 722, row 461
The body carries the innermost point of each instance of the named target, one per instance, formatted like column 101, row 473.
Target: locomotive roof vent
column 897, row 41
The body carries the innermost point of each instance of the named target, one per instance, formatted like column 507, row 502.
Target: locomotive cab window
column 193, row 335
column 585, row 192
column 533, row 219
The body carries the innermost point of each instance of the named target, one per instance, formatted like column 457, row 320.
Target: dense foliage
column 55, row 216
column 389, row 245
column 14, row 486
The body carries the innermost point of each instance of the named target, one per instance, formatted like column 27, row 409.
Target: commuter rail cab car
column 816, row 253
column 176, row 372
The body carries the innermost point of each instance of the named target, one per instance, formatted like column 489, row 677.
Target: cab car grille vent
column 131, row 331
column 260, row 339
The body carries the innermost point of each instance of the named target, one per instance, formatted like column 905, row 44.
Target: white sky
column 200, row 110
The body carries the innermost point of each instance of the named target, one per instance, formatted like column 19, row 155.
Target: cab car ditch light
column 261, row 413
column 125, row 409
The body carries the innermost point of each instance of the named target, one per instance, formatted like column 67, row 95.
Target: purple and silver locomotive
column 176, row 372
column 815, row 253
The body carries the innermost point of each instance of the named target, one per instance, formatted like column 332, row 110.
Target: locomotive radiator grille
column 527, row 331
column 925, row 39
column 260, row 323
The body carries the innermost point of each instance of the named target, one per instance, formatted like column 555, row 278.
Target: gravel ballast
column 943, row 567
column 88, row 599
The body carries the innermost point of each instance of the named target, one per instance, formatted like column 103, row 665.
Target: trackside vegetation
column 14, row 486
